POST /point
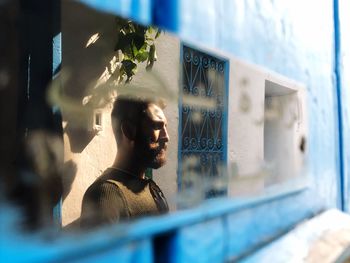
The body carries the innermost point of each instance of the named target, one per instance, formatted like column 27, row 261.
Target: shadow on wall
column 88, row 48
column 79, row 138
column 69, row 174
column 89, row 44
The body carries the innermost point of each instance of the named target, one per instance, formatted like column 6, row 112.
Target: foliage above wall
column 136, row 44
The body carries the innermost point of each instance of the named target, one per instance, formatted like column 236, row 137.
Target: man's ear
column 129, row 130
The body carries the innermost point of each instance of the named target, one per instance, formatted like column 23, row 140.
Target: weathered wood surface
column 324, row 238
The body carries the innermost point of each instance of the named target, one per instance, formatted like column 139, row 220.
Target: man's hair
column 129, row 109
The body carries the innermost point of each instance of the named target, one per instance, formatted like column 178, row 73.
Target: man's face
column 152, row 138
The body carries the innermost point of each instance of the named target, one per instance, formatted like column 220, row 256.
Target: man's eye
column 159, row 125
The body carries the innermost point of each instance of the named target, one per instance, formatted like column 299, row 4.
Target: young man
column 122, row 191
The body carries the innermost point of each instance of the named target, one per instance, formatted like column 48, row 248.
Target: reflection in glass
column 233, row 129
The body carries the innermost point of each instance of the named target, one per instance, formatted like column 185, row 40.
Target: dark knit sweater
column 117, row 195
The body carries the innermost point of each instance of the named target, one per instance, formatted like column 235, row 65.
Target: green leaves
column 142, row 54
column 151, row 57
column 137, row 45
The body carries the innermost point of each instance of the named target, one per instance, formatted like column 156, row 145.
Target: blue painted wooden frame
column 247, row 222
column 138, row 10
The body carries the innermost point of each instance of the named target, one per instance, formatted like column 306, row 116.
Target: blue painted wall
column 294, row 38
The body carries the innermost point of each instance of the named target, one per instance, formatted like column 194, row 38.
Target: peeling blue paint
column 57, row 53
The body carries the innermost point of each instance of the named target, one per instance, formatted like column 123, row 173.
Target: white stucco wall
column 86, row 154
column 245, row 133
column 90, row 163
column 264, row 141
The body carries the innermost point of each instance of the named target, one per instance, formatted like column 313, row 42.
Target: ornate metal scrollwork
column 203, row 78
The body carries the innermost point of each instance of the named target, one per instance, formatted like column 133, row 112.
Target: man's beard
column 150, row 154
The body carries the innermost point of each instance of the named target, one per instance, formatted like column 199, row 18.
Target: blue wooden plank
column 202, row 242
column 165, row 14
column 138, row 10
column 250, row 229
column 36, row 248
column 320, row 239
column 138, row 251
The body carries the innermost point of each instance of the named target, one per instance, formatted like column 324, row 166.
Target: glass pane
column 191, row 123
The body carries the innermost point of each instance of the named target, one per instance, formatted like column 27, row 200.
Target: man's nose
column 164, row 135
